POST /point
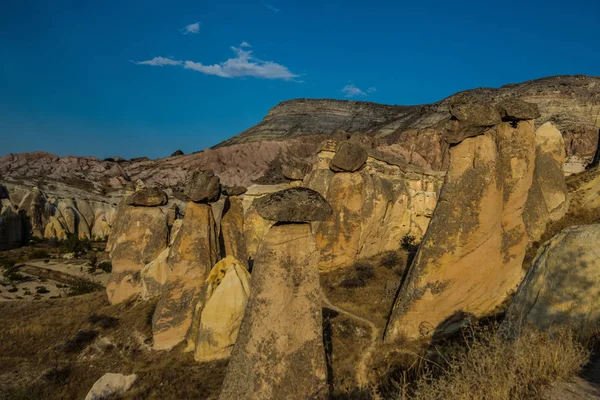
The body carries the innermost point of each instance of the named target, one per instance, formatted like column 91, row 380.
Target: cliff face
column 293, row 129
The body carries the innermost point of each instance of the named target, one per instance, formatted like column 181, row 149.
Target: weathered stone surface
column 349, row 157
column 148, row 198
column 470, row 117
column 203, row 187
column 12, row 228
column 280, row 354
column 518, row 110
column 562, row 287
column 233, row 190
column 3, row 192
column 255, row 229
column 295, row 171
column 56, row 229
column 142, row 237
column 192, row 255
column 154, row 276
column 293, row 205
column 109, row 385
column 231, row 235
column 226, row 298
column 548, row 197
column 471, row 255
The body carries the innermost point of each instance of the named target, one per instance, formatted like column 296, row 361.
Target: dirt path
column 361, row 370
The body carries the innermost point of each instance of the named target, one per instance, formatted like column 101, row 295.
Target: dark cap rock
column 148, row 198
column 203, row 187
column 297, row 204
column 470, row 117
column 349, row 157
column 294, row 171
column 518, row 110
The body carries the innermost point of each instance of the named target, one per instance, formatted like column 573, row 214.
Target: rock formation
column 349, row 157
column 279, row 353
column 232, row 240
column 226, row 298
column 190, row 260
column 562, row 287
column 109, row 385
column 471, row 255
column 148, row 198
column 204, row 186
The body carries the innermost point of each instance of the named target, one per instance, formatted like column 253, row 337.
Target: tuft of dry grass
column 485, row 366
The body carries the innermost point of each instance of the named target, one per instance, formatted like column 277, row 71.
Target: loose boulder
column 226, row 298
column 349, row 157
column 297, row 204
column 518, row 110
column 203, row 187
column 109, row 385
column 279, row 353
column 562, row 287
column 148, row 198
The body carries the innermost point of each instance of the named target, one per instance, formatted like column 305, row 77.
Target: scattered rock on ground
column 109, row 385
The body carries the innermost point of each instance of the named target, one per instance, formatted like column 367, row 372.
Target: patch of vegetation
column 103, row 321
column 485, row 366
column 75, row 245
column 13, row 290
column 38, row 254
column 410, row 243
column 41, row 290
column 81, row 286
column 79, row 341
column 11, row 272
column 362, row 273
column 105, row 266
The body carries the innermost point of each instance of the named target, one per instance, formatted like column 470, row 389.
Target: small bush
column 13, row 290
column 7, row 263
column 26, row 292
column 362, row 273
column 38, row 254
column 76, row 245
column 487, row 367
column 12, row 274
column 41, row 290
column 83, row 286
column 103, row 321
column 79, row 341
column 105, row 266
column 410, row 243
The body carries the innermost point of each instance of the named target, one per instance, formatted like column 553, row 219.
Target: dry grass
column 484, row 366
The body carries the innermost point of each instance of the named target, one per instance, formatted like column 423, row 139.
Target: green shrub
column 83, row 286
column 75, row 245
column 410, row 243
column 38, row 254
column 105, row 266
column 41, row 290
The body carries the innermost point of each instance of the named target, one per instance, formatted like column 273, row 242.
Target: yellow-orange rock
column 233, row 242
column 191, row 258
column 471, row 256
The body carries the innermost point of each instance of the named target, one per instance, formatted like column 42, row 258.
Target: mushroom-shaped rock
column 203, row 187
column 517, row 110
column 148, row 198
column 349, row 157
column 233, row 190
column 470, row 117
column 297, row 204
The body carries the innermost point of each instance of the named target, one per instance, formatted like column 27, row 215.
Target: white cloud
column 191, row 28
column 371, row 89
column 245, row 44
column 351, row 90
column 244, row 64
column 272, row 8
column 159, row 62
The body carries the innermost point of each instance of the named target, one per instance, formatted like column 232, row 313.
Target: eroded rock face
column 297, row 204
column 203, row 187
column 142, row 237
column 226, row 298
column 471, row 255
column 191, row 258
column 148, row 198
column 349, row 157
column 232, row 240
column 280, row 355
column 548, row 197
column 12, row 226
column 562, row 287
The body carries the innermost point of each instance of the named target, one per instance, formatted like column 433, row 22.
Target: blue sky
column 134, row 78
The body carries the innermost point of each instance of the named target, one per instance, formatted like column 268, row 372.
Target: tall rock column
column 192, row 255
column 141, row 236
column 471, row 256
column 279, row 353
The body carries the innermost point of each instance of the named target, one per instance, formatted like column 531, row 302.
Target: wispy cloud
column 243, row 65
column 272, row 8
column 245, row 44
column 159, row 62
column 371, row 89
column 351, row 90
column 191, row 28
